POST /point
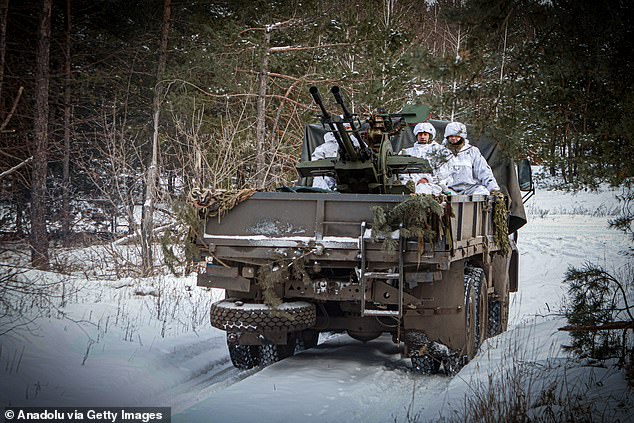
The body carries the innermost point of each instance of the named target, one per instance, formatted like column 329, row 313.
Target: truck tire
column 495, row 318
column 235, row 316
column 244, row 356
column 272, row 353
column 425, row 358
column 498, row 316
column 249, row 356
column 426, row 365
column 476, row 313
column 307, row 339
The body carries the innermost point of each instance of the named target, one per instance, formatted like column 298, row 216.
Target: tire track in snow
column 207, row 367
column 341, row 379
column 219, row 376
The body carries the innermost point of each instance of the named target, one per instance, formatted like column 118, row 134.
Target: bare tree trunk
column 497, row 103
column 567, row 154
column 454, row 87
column 198, row 167
column 260, row 131
column 67, row 113
column 39, row 235
column 552, row 150
column 151, row 192
column 4, row 9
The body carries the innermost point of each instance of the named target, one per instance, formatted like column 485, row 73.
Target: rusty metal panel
column 468, row 215
column 221, row 271
column 224, row 278
column 422, row 277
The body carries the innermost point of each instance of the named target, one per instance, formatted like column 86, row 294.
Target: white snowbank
column 96, row 341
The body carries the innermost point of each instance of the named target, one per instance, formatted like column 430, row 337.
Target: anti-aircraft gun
column 371, row 258
column 370, row 166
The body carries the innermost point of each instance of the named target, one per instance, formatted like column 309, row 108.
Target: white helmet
column 425, row 127
column 456, row 129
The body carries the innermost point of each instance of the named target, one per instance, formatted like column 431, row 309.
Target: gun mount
column 370, row 165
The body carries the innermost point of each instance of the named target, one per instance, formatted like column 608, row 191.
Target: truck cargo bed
column 330, row 227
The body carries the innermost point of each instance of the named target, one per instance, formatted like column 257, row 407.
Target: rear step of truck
column 365, row 276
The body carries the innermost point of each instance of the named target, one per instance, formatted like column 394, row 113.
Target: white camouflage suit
column 433, row 152
column 329, row 148
column 466, row 172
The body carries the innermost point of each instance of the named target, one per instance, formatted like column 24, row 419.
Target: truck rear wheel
column 428, row 356
column 272, row 353
column 425, row 358
column 244, row 356
column 426, row 365
column 307, row 339
column 498, row 316
column 476, row 313
column 236, row 316
column 249, row 356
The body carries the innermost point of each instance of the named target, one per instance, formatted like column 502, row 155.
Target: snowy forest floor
column 89, row 338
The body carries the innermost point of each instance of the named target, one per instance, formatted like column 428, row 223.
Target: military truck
column 370, row 258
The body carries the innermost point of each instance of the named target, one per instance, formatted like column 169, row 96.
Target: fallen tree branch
column 16, row 167
column 133, row 237
column 595, row 328
column 283, row 49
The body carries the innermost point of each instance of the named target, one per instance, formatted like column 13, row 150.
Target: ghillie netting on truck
column 428, row 218
column 217, row 202
column 273, row 276
column 500, row 223
column 205, row 203
column 423, row 216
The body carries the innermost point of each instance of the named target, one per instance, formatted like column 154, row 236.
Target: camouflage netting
column 426, row 217
column 500, row 223
column 272, row 276
column 269, row 277
column 217, row 202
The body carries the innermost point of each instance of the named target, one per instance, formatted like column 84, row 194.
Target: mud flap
column 514, row 268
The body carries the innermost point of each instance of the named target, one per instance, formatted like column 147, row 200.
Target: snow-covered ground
column 133, row 342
